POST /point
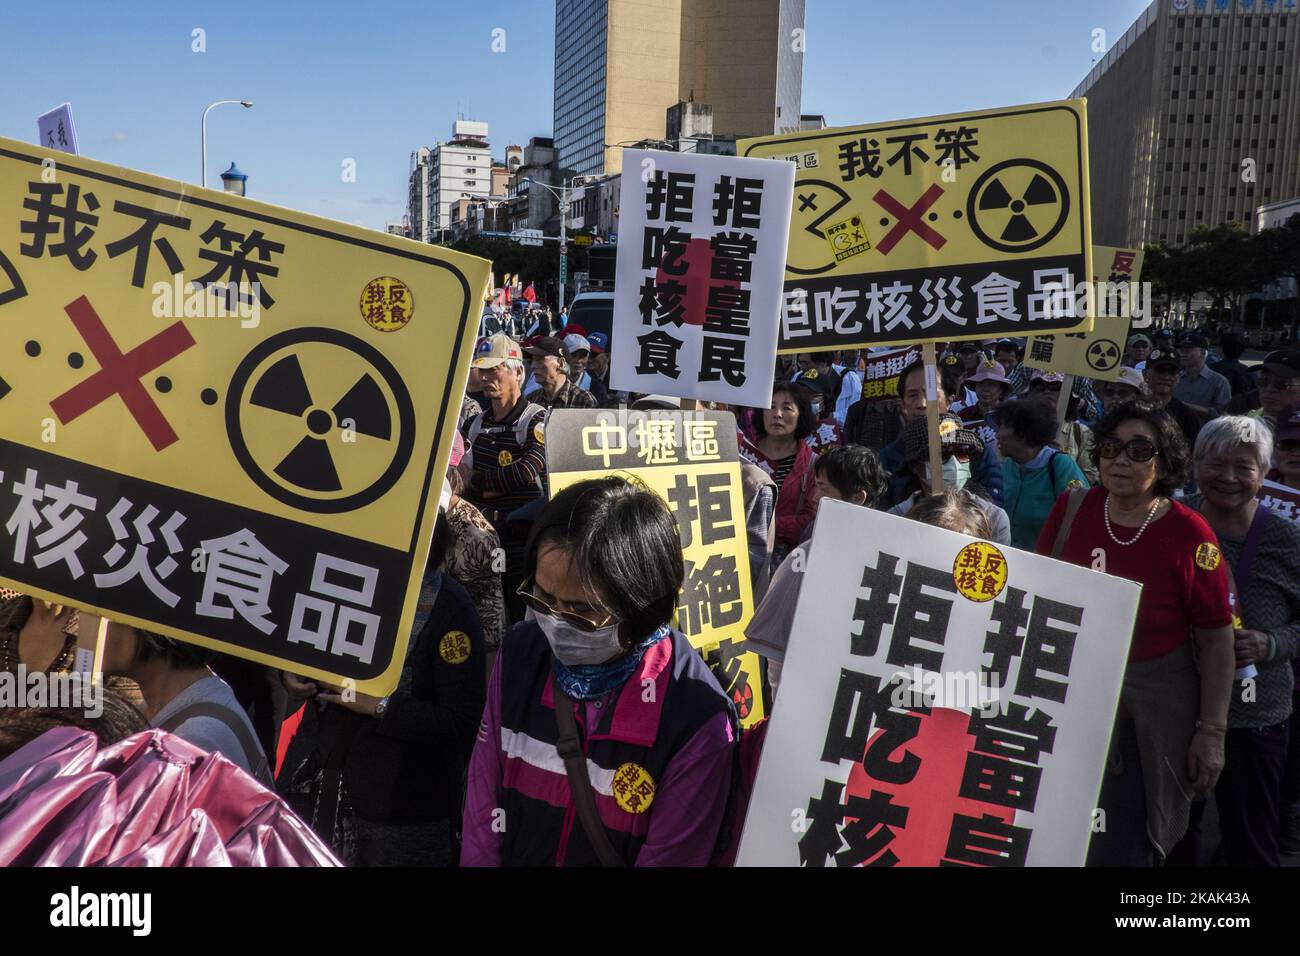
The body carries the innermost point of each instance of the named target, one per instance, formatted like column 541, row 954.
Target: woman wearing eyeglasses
column 1169, row 731
column 598, row 675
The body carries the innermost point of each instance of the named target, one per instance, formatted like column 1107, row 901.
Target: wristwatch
column 381, row 708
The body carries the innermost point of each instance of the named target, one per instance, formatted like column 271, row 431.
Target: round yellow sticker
column 387, row 304
column 540, row 434
column 454, row 647
column 980, row 571
column 504, row 458
column 1207, row 556
column 634, row 788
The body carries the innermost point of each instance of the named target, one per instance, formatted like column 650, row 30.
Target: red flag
column 530, row 294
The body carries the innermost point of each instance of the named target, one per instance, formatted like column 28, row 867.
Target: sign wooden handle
column 932, row 416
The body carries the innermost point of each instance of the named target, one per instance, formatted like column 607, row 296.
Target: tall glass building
column 620, row 64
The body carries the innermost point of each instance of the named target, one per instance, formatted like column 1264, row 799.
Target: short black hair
column 1007, row 347
column 949, row 378
column 800, row 396
column 1174, row 461
column 1032, row 422
column 853, row 468
column 623, row 540
column 179, row 654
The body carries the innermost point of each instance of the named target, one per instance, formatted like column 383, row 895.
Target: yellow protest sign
column 967, row 226
column 220, row 419
column 1098, row 353
column 689, row 459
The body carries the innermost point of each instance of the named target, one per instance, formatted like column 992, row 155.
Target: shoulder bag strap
column 1242, row 574
column 253, row 755
column 575, row 766
column 1071, row 509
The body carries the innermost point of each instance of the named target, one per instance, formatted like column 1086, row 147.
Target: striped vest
column 641, row 728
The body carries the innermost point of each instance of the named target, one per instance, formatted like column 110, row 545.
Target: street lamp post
column 203, row 132
column 562, row 194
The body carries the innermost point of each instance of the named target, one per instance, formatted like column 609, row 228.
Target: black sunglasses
column 1138, row 449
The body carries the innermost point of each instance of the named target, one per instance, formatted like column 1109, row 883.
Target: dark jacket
column 985, row 471
column 408, row 766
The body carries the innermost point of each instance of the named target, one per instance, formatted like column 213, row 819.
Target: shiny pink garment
column 149, row 800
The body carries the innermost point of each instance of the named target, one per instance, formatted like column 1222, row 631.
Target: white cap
column 575, row 343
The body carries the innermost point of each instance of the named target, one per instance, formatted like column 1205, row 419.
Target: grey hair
column 1223, row 435
column 516, row 366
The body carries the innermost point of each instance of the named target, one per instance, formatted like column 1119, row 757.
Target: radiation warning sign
column 690, row 459
column 1115, row 300
column 978, row 226
column 202, row 434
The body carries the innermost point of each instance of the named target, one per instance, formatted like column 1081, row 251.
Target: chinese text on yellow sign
column 970, row 226
column 221, row 419
column 1116, row 301
column 690, row 460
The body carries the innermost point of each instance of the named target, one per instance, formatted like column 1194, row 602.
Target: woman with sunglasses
column 598, row 673
column 1169, row 732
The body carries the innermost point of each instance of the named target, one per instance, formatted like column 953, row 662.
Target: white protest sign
column 943, row 700
column 701, row 265
column 1281, row 498
column 55, row 129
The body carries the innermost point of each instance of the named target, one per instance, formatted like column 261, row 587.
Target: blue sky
column 334, row 80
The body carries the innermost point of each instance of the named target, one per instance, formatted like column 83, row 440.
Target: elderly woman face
column 1230, row 478
column 1130, row 460
column 989, row 393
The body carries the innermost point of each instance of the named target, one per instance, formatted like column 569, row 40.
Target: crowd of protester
column 542, row 621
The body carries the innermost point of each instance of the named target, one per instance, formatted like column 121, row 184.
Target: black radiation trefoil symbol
column 1103, row 355
column 288, row 406
column 1018, row 205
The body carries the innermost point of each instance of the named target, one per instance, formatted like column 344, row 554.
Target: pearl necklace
column 1111, row 531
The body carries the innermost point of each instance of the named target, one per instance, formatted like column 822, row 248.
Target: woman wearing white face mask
column 958, row 446
column 605, row 740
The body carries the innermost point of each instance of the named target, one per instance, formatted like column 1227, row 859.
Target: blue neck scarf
column 593, row 681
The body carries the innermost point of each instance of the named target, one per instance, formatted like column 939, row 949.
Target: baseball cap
column 990, row 372
column 1194, row 340
column 573, row 328
column 1140, row 339
column 545, row 345
column 968, row 347
column 1131, row 376
column 1165, row 357
column 576, row 343
column 496, row 349
column 1288, row 424
column 1284, row 362
column 599, row 341
column 1049, row 377
column 953, row 436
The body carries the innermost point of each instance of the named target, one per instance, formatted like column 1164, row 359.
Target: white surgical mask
column 817, row 409
column 955, row 473
column 574, row 647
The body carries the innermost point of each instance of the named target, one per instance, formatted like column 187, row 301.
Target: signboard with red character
column 944, row 701
column 222, row 420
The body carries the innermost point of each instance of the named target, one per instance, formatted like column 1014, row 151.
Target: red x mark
column 909, row 220
column 120, row 374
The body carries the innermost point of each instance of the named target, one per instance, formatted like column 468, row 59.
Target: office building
column 621, row 64
column 1194, row 119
